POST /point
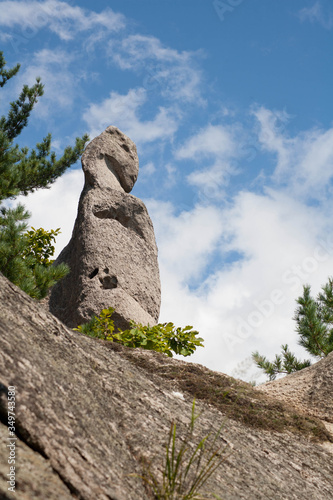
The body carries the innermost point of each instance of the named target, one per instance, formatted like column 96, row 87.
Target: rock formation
column 89, row 411
column 112, row 253
column 309, row 391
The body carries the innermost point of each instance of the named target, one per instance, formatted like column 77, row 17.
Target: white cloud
column 147, row 170
column 248, row 303
column 123, row 112
column 174, row 74
column 213, row 140
column 215, row 147
column 56, row 206
column 271, row 135
column 211, row 181
column 186, row 241
column 304, row 162
column 5, row 37
column 240, row 290
column 59, row 17
column 138, row 48
column 61, row 86
column 172, row 172
column 316, row 14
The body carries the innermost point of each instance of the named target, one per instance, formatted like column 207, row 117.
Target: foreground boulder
column 90, row 412
column 112, row 254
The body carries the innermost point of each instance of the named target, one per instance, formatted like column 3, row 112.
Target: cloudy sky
column 230, row 105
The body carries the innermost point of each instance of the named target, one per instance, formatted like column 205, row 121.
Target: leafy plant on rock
column 314, row 319
column 100, row 327
column 164, row 337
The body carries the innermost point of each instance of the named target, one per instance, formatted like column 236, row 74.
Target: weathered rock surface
column 111, row 160
column 88, row 411
column 309, row 391
column 37, row 479
column 112, row 253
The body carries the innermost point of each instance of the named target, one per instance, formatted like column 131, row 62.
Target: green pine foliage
column 314, row 325
column 24, row 256
column 164, row 337
column 285, row 363
column 315, row 320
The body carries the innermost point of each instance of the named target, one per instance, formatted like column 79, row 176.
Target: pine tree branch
column 24, row 171
column 6, row 74
column 21, row 109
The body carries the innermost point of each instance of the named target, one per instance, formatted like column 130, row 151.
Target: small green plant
column 186, row 467
column 164, row 337
column 314, row 320
column 100, row 327
column 39, row 245
column 24, row 255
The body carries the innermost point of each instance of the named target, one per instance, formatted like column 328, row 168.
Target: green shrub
column 24, row 255
column 39, row 245
column 164, row 337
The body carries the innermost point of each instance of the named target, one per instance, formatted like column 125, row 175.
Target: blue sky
column 229, row 103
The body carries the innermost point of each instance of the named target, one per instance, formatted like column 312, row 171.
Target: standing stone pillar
column 112, row 254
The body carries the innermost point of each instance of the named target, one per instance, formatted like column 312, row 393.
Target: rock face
column 309, row 390
column 88, row 412
column 112, row 253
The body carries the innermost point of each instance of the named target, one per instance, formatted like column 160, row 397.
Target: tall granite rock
column 112, row 253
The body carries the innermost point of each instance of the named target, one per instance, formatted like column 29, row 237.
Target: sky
column 230, row 106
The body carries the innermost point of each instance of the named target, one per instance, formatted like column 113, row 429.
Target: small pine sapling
column 285, row 363
column 314, row 325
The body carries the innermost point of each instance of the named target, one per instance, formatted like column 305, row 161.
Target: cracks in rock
column 118, row 214
column 22, row 434
column 112, row 213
